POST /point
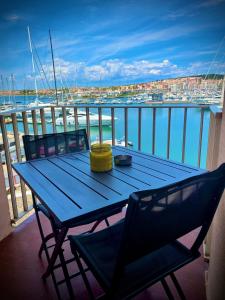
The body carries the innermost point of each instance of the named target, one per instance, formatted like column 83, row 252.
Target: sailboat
column 33, row 66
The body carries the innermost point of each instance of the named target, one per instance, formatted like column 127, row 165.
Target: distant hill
column 209, row 76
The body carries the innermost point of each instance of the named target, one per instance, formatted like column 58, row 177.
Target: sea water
column 161, row 129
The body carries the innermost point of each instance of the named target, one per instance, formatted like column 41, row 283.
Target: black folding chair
column 143, row 249
column 40, row 146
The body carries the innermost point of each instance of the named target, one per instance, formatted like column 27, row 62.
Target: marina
column 161, row 122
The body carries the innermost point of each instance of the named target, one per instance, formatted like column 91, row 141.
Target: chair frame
column 218, row 176
column 56, row 229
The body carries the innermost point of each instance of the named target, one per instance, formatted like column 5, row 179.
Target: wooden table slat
column 49, row 195
column 161, row 161
column 153, row 168
column 81, row 194
column 136, row 182
column 105, row 178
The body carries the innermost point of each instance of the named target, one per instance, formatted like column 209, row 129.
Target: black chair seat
column 143, row 249
column 100, row 251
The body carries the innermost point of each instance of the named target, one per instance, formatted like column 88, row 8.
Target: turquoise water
column 177, row 116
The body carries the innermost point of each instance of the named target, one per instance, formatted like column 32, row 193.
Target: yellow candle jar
column 101, row 157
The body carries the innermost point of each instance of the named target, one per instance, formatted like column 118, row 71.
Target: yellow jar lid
column 100, row 147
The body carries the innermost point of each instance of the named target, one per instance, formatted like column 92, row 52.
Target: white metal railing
column 20, row 201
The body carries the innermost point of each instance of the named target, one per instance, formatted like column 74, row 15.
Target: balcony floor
column 21, row 269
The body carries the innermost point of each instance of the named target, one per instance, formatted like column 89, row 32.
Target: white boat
column 116, row 101
column 129, row 101
column 94, row 121
column 47, row 111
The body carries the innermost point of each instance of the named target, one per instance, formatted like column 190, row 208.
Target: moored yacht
column 81, row 115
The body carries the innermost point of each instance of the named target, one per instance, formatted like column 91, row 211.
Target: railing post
column 5, row 220
column 216, row 274
column 212, row 159
column 9, row 167
column 214, row 137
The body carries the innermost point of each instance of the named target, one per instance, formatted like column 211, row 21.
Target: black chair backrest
column 157, row 217
column 38, row 146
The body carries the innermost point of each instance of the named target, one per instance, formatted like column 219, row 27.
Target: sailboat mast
column 8, row 89
column 223, row 91
column 3, row 89
column 53, row 66
column 32, row 60
column 13, row 90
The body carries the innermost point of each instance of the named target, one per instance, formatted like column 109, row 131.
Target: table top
column 71, row 191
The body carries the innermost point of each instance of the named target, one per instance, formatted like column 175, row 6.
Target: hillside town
column 197, row 89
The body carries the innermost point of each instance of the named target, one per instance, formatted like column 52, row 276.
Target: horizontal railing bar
column 22, row 214
column 9, row 112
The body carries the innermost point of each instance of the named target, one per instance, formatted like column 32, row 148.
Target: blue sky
column 112, row 42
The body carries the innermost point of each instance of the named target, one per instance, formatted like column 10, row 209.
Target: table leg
column 59, row 237
column 44, row 244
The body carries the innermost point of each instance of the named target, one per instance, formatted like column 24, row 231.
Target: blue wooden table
column 72, row 192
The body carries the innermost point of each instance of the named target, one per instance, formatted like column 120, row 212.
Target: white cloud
column 191, row 9
column 12, row 17
column 108, row 69
column 145, row 37
column 116, row 69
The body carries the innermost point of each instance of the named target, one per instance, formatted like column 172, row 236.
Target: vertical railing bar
column 76, row 118
column 88, row 124
column 113, row 125
column 184, row 134
column 34, row 119
column 19, row 158
column 9, row 168
column 64, row 119
column 126, row 126
column 139, row 128
column 43, row 124
column 168, row 134
column 200, row 136
column 100, row 123
column 25, row 123
column 53, row 119
column 153, row 129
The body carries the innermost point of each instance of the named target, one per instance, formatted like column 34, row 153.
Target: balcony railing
column 174, row 132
